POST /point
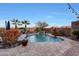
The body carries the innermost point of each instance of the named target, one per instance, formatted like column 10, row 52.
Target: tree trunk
column 15, row 26
column 25, row 27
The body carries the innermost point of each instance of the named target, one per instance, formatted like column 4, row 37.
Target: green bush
column 76, row 33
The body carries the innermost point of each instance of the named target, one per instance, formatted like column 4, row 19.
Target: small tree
column 76, row 33
column 41, row 26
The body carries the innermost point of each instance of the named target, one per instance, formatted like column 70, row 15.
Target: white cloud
column 49, row 17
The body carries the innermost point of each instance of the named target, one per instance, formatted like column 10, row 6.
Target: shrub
column 76, row 33
column 38, row 30
column 10, row 36
column 55, row 33
column 1, row 32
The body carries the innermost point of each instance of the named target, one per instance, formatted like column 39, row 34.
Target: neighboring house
column 75, row 25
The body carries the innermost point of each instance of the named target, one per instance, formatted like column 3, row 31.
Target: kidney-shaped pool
column 43, row 38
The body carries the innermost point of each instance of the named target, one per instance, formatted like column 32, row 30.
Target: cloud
column 48, row 17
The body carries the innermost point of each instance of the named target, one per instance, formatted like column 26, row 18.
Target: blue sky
column 53, row 14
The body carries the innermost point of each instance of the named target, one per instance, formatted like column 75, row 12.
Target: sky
column 53, row 13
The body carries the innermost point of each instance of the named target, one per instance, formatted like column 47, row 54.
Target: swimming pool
column 43, row 38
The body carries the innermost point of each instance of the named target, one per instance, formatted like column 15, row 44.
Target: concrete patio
column 41, row 49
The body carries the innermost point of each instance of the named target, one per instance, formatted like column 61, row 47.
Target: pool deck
column 43, row 49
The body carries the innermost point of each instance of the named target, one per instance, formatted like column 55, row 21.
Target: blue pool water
column 43, row 38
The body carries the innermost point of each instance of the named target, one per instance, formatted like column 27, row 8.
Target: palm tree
column 15, row 22
column 25, row 22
